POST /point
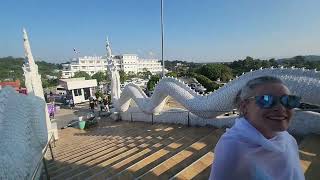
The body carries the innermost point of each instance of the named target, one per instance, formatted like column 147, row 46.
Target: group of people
column 102, row 102
column 68, row 101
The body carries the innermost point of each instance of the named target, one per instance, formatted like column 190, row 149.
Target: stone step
column 82, row 158
column 128, row 150
column 99, row 146
column 160, row 156
column 82, row 138
column 181, row 160
column 198, row 168
column 104, row 155
column 76, row 151
column 70, row 132
column 110, row 168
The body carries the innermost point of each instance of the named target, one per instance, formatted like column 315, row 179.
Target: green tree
column 99, row 94
column 47, row 83
column 81, row 74
column 146, row 73
column 100, row 76
column 215, row 71
column 123, row 76
column 173, row 74
column 273, row 62
column 131, row 75
column 11, row 69
column 152, row 82
column 206, row 82
column 240, row 66
column 59, row 74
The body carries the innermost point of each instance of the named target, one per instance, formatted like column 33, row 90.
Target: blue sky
column 199, row 31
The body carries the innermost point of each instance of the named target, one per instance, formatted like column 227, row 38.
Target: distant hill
column 311, row 58
column 11, row 69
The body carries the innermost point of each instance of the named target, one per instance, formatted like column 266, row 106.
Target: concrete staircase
column 137, row 150
column 128, row 150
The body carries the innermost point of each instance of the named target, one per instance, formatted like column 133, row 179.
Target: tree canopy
column 206, row 82
column 215, row 72
column 100, row 77
column 123, row 76
column 172, row 74
column 152, row 82
column 145, row 74
column 240, row 66
column 301, row 61
column 11, row 70
column 81, row 74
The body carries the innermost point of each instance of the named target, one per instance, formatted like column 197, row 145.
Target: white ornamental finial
column 33, row 78
column 108, row 48
column 114, row 76
column 27, row 49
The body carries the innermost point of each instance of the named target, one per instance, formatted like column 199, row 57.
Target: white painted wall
column 74, row 84
column 303, row 122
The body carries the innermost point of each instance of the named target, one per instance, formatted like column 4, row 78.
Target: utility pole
column 163, row 75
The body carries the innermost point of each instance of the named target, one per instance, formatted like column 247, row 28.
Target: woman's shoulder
column 228, row 143
column 292, row 141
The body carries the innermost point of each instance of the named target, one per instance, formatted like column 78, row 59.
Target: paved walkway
column 65, row 114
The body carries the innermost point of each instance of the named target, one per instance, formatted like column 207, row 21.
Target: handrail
column 43, row 160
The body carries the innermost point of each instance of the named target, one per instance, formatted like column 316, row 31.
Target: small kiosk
column 79, row 88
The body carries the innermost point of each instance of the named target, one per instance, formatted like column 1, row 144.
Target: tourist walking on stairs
column 258, row 145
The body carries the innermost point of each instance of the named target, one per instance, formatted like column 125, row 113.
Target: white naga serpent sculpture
column 302, row 82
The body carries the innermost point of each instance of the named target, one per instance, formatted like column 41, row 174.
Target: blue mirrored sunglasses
column 269, row 101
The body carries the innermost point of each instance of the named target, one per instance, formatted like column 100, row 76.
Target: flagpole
column 163, row 75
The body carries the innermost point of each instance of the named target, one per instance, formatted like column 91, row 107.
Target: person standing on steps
column 71, row 102
column 106, row 103
column 91, row 104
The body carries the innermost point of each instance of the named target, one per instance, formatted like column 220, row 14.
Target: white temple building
column 124, row 62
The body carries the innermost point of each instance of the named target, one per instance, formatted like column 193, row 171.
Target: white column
column 82, row 95
column 90, row 88
column 72, row 91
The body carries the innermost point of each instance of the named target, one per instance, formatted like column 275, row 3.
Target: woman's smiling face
column 272, row 120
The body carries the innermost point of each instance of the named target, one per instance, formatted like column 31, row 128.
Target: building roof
column 15, row 84
column 77, row 83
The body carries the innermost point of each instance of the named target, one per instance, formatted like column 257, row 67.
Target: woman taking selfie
column 258, row 145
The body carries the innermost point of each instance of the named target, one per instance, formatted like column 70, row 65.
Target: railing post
column 54, row 142
column 152, row 118
column 131, row 116
column 45, row 168
column 51, row 151
column 188, row 118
